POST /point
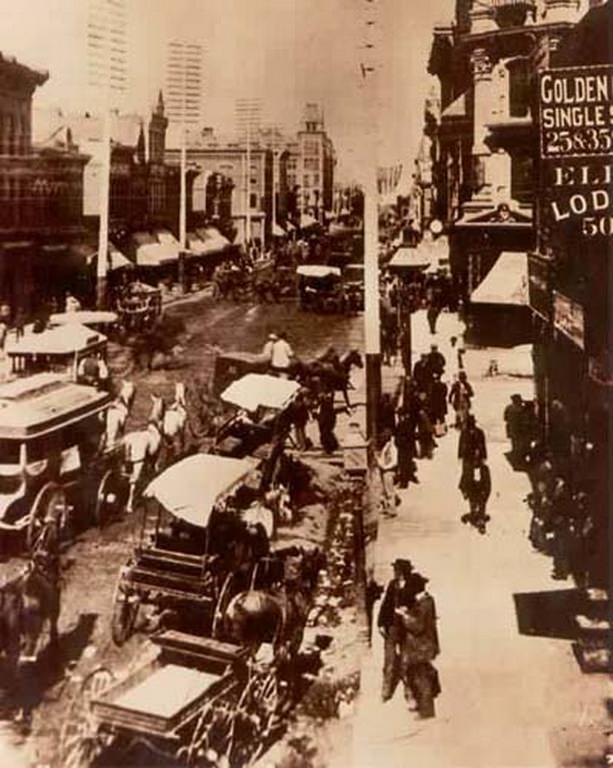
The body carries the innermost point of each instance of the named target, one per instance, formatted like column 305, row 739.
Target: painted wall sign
column 576, row 141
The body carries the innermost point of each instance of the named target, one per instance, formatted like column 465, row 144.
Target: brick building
column 41, row 192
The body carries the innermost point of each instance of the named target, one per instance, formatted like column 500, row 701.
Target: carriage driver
column 93, row 371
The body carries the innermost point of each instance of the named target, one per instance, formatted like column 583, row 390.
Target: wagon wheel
column 50, row 501
column 212, row 734
column 111, row 497
column 257, row 717
column 125, row 610
column 80, row 742
column 228, row 589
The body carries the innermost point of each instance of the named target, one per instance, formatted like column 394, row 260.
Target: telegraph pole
column 106, row 44
column 248, row 114
column 372, row 320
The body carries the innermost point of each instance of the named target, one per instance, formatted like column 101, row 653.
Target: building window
column 253, row 180
column 306, row 182
column 311, row 163
column 311, row 148
column 522, row 179
column 316, row 180
column 253, row 200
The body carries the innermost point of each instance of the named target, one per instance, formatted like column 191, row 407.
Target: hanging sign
column 576, row 143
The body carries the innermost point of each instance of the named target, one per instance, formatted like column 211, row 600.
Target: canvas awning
column 410, row 258
column 190, row 488
column 84, row 317
column 257, row 390
column 155, row 255
column 506, row 282
column 317, row 270
column 89, row 252
column 278, row 230
column 306, row 221
column 62, row 340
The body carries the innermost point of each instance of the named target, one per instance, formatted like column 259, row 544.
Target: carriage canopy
column 257, row 390
column 190, row 488
column 61, row 340
column 317, row 271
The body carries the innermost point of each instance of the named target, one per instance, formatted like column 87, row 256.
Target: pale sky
column 287, row 52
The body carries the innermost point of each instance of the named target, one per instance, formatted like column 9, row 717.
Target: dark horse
column 329, row 373
column 276, row 611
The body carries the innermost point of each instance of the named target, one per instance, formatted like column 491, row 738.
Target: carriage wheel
column 111, row 497
column 228, row 589
column 125, row 611
column 50, row 501
column 212, row 735
column 80, row 743
column 257, row 717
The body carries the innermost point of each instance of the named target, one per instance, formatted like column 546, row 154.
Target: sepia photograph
column 306, row 378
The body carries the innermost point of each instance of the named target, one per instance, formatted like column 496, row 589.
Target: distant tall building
column 314, row 159
column 184, row 83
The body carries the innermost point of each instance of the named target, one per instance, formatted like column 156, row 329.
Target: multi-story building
column 144, row 189
column 485, row 170
column 288, row 176
column 41, row 192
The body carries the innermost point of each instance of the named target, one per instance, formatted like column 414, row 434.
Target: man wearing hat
column 420, row 646
column 398, row 594
column 268, row 347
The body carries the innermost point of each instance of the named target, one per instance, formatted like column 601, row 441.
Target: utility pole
column 106, row 47
column 372, row 320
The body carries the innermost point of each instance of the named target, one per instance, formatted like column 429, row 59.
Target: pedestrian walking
column 438, row 405
column 422, row 374
column 420, row 647
column 513, row 414
column 436, row 360
column 476, row 487
column 326, row 420
column 405, row 445
column 387, row 461
column 471, row 445
column 398, row 594
column 432, row 313
column 299, row 414
column 425, row 429
column 460, row 396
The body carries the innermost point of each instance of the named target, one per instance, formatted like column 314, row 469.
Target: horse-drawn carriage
column 98, row 320
column 230, row 366
column 193, row 554
column 321, row 289
column 60, row 349
column 138, row 306
column 258, row 405
column 52, row 465
column 214, row 686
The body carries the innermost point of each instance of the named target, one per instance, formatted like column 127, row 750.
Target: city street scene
column 305, row 384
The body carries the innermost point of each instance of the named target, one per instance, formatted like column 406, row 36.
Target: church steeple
column 141, row 151
column 160, row 105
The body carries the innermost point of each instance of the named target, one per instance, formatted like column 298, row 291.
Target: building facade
column 484, row 176
column 41, row 191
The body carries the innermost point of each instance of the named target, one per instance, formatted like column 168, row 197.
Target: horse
column 332, row 371
column 276, row 613
column 174, row 423
column 117, row 416
column 143, row 447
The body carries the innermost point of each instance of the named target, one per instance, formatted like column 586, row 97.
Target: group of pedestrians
column 407, row 623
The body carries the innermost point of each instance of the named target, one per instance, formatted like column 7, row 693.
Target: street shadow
column 548, row 614
column 51, row 667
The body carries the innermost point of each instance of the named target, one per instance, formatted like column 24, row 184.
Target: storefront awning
column 155, row 255
column 410, row 258
column 306, row 221
column 278, row 231
column 506, row 282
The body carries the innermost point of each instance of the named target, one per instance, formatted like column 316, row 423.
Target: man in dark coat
column 438, row 404
column 405, row 444
column 326, row 419
column 422, row 374
column 476, row 487
column 398, row 594
column 471, row 445
column 420, row 647
column 436, row 360
column 512, row 417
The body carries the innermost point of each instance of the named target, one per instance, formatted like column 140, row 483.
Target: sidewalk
column 508, row 699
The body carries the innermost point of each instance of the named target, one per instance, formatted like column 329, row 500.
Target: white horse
column 117, row 416
column 175, row 422
column 143, row 448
